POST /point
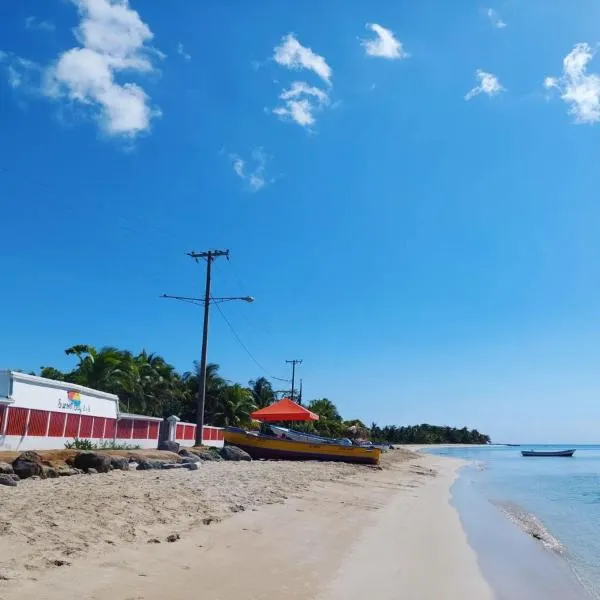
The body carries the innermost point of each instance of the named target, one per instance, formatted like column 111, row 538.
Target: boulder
column 6, row 479
column 234, row 453
column 146, row 464
column 185, row 453
column 168, row 445
column 50, row 472
column 5, row 469
column 66, row 471
column 120, row 463
column 207, row 453
column 189, row 459
column 190, row 466
column 92, row 460
column 28, row 464
column 172, row 466
column 92, row 471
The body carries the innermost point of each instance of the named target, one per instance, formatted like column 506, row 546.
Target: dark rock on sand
column 168, row 445
column 5, row 469
column 92, row 460
column 173, row 537
column 146, row 464
column 234, row 453
column 67, row 471
column 28, row 464
column 6, row 479
column 92, row 471
column 120, row 463
column 190, row 466
column 189, row 459
column 50, row 472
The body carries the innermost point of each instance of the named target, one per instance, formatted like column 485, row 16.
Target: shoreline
column 353, row 531
column 518, row 555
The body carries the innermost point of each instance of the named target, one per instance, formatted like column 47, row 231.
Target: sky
column 408, row 189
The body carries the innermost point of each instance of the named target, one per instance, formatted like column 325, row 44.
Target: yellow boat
column 262, row 446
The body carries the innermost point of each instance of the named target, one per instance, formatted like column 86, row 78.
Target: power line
column 237, row 337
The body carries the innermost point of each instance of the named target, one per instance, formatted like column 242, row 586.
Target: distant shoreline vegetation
column 147, row 384
column 427, row 434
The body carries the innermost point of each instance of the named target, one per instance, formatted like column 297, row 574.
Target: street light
column 206, row 302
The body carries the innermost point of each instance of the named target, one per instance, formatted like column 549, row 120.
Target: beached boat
column 300, row 436
column 264, row 446
column 566, row 453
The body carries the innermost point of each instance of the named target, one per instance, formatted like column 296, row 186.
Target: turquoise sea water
column 562, row 493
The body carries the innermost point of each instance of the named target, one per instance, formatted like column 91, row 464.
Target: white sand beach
column 307, row 530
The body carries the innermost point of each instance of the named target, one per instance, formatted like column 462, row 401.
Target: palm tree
column 234, row 406
column 97, row 369
column 262, row 392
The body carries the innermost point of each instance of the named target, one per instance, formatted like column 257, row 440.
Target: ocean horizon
column 543, row 510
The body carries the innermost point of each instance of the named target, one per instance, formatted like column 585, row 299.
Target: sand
column 306, row 530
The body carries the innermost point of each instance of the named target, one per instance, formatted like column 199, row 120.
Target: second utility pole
column 293, row 363
column 210, row 255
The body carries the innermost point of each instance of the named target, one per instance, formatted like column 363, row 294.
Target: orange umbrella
column 284, row 410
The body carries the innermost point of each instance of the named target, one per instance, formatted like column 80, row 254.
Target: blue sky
column 409, row 190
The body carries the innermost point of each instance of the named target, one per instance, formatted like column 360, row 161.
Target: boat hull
column 276, row 449
column 559, row 453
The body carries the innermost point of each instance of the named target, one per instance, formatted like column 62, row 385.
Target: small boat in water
column 564, row 453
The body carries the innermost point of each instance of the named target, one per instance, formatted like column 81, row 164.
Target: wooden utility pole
column 293, row 363
column 209, row 255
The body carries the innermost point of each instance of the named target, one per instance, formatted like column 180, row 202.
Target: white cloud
column 33, row 23
column 256, row 177
column 495, row 18
column 488, row 84
column 182, row 52
column 385, row 45
column 579, row 90
column 301, row 101
column 293, row 55
column 21, row 73
column 113, row 39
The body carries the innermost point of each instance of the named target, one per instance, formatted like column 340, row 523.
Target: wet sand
column 311, row 530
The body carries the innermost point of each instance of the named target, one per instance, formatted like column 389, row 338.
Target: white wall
column 18, row 443
column 45, row 394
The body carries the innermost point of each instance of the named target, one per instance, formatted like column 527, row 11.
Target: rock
column 207, row 453
column 5, row 469
column 153, row 541
column 190, row 466
column 120, row 463
column 234, row 453
column 146, row 464
column 7, row 479
column 189, row 459
column 172, row 466
column 50, row 472
column 28, row 464
column 92, row 460
column 66, row 471
column 173, row 537
column 35, row 478
column 168, row 445
column 92, row 471
column 186, row 453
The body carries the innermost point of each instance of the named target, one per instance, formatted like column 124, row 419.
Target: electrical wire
column 237, row 337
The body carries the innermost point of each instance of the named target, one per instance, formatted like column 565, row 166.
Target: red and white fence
column 43, row 414
column 185, row 435
column 33, row 429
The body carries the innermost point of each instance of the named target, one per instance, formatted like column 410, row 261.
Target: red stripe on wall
column 140, row 429
column 57, row 424
column 72, row 427
column 180, row 432
column 85, row 431
column 38, row 422
column 153, row 433
column 98, row 427
column 109, row 431
column 17, row 418
column 124, row 429
column 2, row 416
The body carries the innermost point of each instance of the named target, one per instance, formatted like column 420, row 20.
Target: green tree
column 262, row 392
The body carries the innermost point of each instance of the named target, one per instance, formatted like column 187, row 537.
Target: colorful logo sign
column 73, row 402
